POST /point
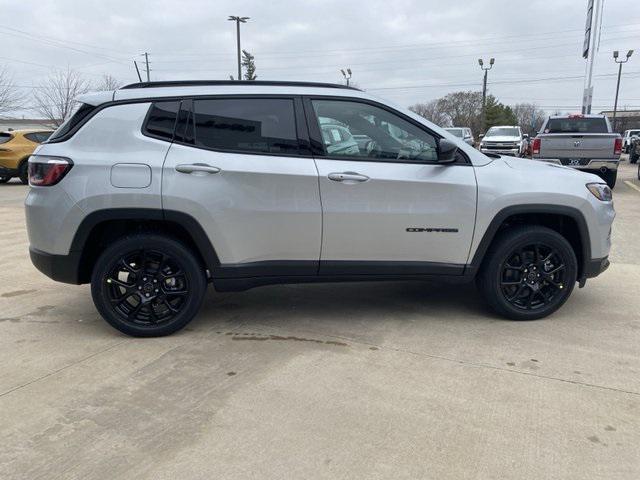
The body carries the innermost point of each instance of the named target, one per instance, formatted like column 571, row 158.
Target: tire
column 4, row 180
column 23, row 172
column 610, row 176
column 159, row 268
column 518, row 282
column 633, row 158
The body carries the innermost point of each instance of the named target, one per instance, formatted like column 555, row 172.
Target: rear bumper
column 61, row 268
column 592, row 164
column 595, row 267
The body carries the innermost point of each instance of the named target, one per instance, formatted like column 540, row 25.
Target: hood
column 527, row 165
column 502, row 138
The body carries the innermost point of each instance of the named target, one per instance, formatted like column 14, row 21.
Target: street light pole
column 238, row 21
column 484, row 90
column 619, row 62
column 347, row 78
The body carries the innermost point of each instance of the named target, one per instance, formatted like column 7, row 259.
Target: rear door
column 389, row 208
column 237, row 166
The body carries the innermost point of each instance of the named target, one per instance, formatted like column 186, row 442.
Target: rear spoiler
column 96, row 98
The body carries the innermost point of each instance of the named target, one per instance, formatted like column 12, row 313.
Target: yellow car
column 15, row 148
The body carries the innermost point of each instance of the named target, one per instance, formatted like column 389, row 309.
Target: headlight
column 601, row 191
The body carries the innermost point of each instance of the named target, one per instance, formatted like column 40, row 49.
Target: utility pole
column 484, row 90
column 347, row 78
column 589, row 49
column 238, row 20
column 146, row 63
column 619, row 62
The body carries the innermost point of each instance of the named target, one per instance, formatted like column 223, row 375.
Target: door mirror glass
column 447, row 151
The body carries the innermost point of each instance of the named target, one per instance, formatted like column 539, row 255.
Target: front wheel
column 4, row 179
column 610, row 177
column 148, row 285
column 528, row 273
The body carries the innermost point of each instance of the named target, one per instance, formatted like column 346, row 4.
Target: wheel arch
column 567, row 221
column 101, row 227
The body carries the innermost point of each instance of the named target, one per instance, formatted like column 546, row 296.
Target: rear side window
column 38, row 137
column 5, row 137
column 265, row 125
column 576, row 125
column 161, row 120
column 80, row 114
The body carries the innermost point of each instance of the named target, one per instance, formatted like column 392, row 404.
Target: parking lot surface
column 380, row 380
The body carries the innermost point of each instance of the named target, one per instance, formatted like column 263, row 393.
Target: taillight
column 45, row 171
column 535, row 148
column 617, row 148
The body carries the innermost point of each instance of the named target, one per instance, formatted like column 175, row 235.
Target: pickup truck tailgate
column 569, row 145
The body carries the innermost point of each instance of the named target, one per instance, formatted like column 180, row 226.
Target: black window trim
column 304, row 149
column 318, row 149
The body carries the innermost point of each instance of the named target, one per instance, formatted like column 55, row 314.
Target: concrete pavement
column 375, row 381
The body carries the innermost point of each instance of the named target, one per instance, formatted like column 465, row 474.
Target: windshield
column 456, row 131
column 576, row 125
column 503, row 132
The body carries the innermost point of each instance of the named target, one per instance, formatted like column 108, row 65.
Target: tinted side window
column 38, row 137
column 372, row 133
column 5, row 137
column 265, row 125
column 576, row 125
column 81, row 113
column 162, row 119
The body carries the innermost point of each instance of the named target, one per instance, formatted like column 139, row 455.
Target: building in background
column 625, row 119
column 24, row 124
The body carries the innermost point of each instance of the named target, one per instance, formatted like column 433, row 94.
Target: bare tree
column 10, row 98
column 55, row 97
column 432, row 111
column 530, row 117
column 107, row 83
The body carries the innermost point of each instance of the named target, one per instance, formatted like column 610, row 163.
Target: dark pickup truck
column 585, row 142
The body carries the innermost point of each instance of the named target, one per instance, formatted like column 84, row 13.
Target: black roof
column 200, row 83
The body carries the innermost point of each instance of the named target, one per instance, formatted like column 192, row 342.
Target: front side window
column 354, row 129
column 253, row 125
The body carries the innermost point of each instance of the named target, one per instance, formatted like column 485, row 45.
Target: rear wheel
column 148, row 285
column 4, row 179
column 528, row 273
column 23, row 172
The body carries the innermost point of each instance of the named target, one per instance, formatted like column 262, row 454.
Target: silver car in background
column 464, row 133
column 504, row 140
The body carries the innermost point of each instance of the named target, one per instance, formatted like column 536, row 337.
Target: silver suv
column 154, row 190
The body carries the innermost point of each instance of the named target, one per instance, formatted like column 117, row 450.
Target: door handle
column 196, row 168
column 348, row 177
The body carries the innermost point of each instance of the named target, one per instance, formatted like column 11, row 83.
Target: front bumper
column 61, row 268
column 8, row 172
column 514, row 152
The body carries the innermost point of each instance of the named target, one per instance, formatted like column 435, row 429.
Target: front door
column 388, row 207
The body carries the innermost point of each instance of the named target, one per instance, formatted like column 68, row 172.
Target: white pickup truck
column 585, row 142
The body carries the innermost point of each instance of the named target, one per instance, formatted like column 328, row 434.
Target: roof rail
column 201, row 83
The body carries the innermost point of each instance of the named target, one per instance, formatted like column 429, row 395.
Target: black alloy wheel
column 148, row 285
column 528, row 272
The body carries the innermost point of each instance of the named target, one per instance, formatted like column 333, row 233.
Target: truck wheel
column 610, row 176
column 528, row 273
column 148, row 285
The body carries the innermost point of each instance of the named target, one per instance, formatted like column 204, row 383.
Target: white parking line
column 635, row 187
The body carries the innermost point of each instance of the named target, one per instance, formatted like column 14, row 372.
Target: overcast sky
column 407, row 51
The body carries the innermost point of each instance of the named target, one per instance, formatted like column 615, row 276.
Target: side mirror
column 481, row 135
column 525, row 136
column 447, row 151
